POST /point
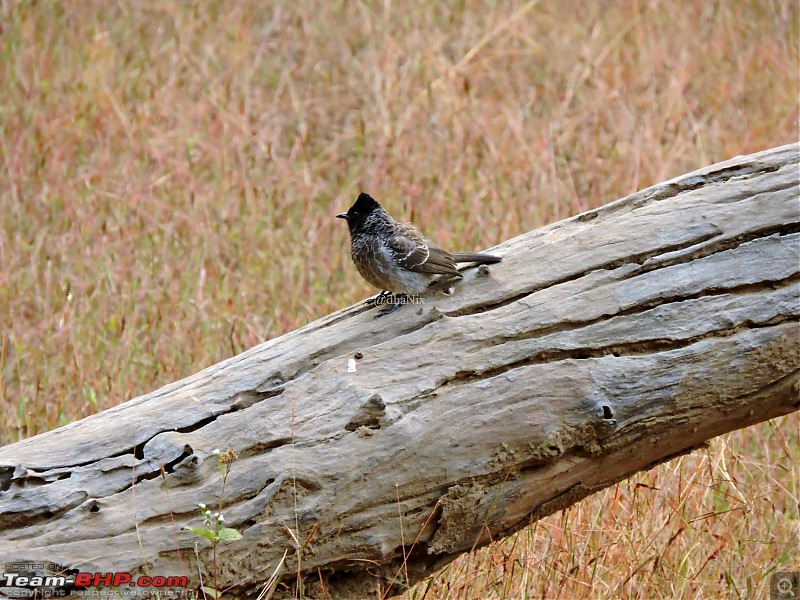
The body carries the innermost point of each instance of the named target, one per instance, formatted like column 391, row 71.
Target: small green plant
column 214, row 529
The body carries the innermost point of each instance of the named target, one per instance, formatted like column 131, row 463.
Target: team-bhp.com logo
column 114, row 580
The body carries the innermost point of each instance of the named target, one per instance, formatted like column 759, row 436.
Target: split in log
column 372, row 453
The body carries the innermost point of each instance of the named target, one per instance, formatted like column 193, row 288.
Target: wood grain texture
column 602, row 345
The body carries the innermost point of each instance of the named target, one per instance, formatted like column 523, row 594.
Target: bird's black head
column 364, row 207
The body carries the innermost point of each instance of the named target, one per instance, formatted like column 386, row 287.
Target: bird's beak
column 341, row 216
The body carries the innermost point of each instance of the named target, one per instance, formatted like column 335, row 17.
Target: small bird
column 395, row 257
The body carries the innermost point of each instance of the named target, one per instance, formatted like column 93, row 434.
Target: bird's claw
column 377, row 299
column 387, row 310
column 392, row 302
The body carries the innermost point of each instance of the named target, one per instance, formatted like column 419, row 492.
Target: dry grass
column 712, row 525
column 170, row 171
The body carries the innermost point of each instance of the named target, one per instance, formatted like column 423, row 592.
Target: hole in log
column 6, row 475
column 35, row 481
column 607, row 414
column 138, row 451
column 187, row 452
column 371, row 423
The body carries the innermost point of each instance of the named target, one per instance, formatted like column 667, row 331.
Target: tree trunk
column 602, row 345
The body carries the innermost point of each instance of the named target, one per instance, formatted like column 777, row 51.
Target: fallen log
column 368, row 454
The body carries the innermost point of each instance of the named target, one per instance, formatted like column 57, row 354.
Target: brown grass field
column 170, row 171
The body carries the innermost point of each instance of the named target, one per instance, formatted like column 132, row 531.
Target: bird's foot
column 394, row 302
column 379, row 299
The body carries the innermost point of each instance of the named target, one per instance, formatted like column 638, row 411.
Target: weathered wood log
column 602, row 345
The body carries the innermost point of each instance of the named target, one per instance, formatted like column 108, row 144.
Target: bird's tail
column 481, row 259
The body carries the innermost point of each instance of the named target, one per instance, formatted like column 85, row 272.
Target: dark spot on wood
column 607, row 414
column 358, row 356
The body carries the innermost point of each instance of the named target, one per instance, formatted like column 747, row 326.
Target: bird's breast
column 376, row 263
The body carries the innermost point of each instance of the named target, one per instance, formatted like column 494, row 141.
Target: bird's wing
column 414, row 253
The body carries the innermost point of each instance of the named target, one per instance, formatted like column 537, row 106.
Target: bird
column 395, row 257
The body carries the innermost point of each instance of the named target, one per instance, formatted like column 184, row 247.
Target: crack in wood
column 738, row 290
column 719, row 246
column 695, row 182
column 638, row 348
column 606, row 266
column 703, row 251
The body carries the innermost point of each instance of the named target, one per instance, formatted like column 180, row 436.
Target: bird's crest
column 365, row 204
